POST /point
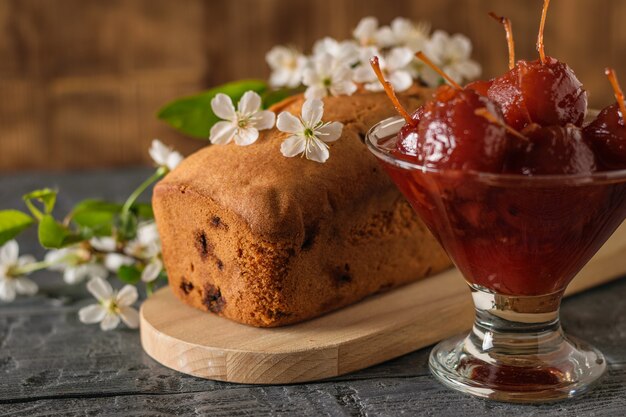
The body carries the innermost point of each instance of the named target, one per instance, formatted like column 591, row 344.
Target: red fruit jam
column 514, row 234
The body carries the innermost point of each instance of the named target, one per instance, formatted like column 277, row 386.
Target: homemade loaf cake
column 267, row 240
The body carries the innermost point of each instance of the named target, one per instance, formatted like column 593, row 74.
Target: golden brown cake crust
column 267, row 240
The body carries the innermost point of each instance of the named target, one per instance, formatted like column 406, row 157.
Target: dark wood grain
column 81, row 80
column 50, row 364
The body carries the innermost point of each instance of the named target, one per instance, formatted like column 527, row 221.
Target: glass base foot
column 556, row 369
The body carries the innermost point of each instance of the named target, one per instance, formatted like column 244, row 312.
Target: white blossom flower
column 76, row 263
column 147, row 246
column 287, row 66
column 367, row 33
column 12, row 283
column 113, row 260
column 112, row 306
column 404, row 32
column 309, row 135
column 243, row 124
column 452, row 54
column 393, row 64
column 164, row 156
column 345, row 52
column 328, row 77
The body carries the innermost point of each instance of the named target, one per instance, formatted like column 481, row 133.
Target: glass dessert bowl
column 518, row 241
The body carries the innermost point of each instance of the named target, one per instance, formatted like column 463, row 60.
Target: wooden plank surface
column 81, row 80
column 375, row 330
column 51, row 364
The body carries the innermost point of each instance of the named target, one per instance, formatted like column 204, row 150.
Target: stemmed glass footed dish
column 518, row 241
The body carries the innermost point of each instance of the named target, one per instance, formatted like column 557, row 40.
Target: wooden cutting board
column 377, row 329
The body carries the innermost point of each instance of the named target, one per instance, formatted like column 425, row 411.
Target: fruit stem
column 438, row 70
column 542, row 26
column 619, row 94
column 391, row 93
column 508, row 28
column 484, row 112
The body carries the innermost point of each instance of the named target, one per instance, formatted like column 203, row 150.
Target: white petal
column 468, row 70
column 25, row 260
column 158, row 152
column 292, row 146
column 105, row 244
column 7, row 290
column 324, row 64
column 113, row 261
column 9, row 253
column 250, row 103
column 147, row 232
column 100, row 289
column 348, row 53
column 93, row 313
column 365, row 30
column 127, row 296
column 281, row 78
column 311, row 77
column 315, row 92
column 460, row 48
column 437, row 46
column 343, row 88
column 385, row 37
column 312, row 111
column 276, row 56
column 173, row 160
column 400, row 80
column 330, row 133
column 110, row 322
column 398, row 58
column 152, row 250
column 152, row 271
column 289, row 123
column 430, row 77
column 56, row 258
column 25, row 286
column 222, row 133
column 364, row 74
column 264, row 120
column 374, row 86
column 246, row 136
column 317, row 151
column 130, row 317
column 401, row 26
column 74, row 274
column 222, row 106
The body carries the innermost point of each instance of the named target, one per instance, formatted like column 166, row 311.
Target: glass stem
column 525, row 324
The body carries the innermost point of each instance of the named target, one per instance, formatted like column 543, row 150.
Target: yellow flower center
column 111, row 306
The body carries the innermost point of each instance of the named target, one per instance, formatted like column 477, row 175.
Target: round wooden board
column 375, row 330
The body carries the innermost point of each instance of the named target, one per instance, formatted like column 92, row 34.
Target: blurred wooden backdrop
column 81, row 80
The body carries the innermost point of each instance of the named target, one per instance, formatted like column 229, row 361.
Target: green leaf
column 193, row 115
column 12, row 222
column 129, row 274
column 272, row 97
column 52, row 234
column 45, row 196
column 96, row 215
column 144, row 210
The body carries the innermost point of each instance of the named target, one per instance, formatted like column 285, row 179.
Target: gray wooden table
column 51, row 364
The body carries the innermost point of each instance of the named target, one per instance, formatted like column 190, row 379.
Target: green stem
column 160, row 173
column 30, row 268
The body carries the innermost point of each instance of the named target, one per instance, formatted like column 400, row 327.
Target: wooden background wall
column 81, row 80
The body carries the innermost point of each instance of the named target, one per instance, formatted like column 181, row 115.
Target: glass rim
column 393, row 125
